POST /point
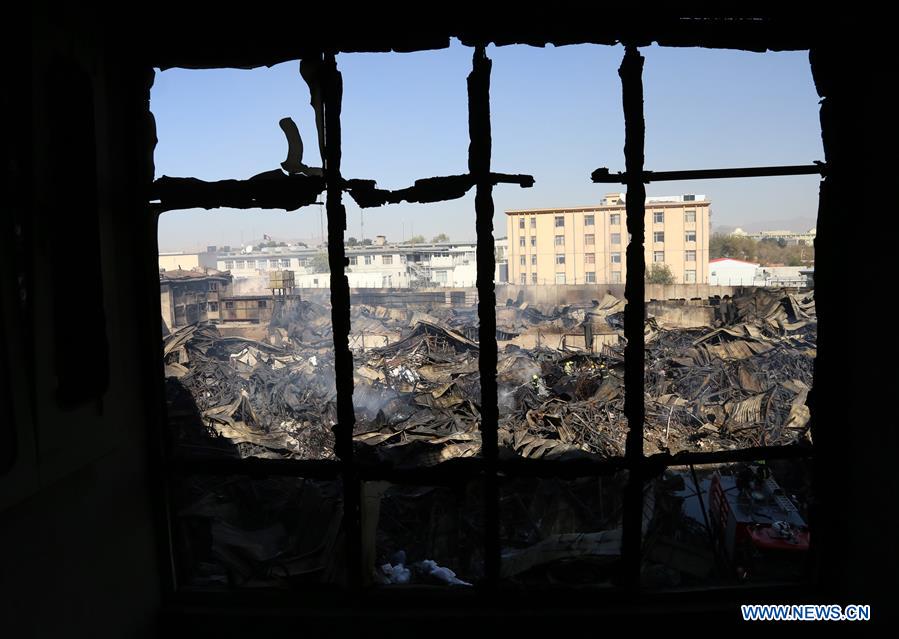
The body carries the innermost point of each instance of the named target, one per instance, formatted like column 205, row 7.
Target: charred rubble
column 740, row 383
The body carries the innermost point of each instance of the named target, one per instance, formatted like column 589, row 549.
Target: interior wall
column 78, row 536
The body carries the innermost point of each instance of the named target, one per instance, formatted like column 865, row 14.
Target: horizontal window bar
column 603, row 176
column 793, row 451
column 463, row 469
column 272, row 190
column 254, row 467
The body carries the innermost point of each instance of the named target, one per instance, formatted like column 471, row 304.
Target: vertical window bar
column 331, row 87
column 631, row 72
column 479, row 150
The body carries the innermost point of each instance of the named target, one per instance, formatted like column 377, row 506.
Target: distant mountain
column 798, row 224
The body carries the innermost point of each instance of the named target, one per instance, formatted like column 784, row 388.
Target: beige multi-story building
column 586, row 245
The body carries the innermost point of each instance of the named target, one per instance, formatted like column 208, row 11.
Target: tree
column 416, row 239
column 733, row 246
column 366, row 242
column 319, row 263
column 352, row 241
column 659, row 274
column 442, row 237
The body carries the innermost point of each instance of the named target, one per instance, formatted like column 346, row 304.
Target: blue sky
column 556, row 114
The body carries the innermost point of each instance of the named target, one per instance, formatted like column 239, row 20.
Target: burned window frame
column 191, row 193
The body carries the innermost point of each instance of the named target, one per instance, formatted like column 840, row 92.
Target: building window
column 229, row 306
column 616, row 277
column 690, row 236
column 690, row 216
column 387, row 259
column 690, row 276
column 260, row 264
column 589, row 239
column 523, row 278
column 589, row 258
column 534, row 241
column 533, row 222
column 658, row 217
column 560, row 240
column 589, row 220
column 533, row 260
column 367, row 260
column 689, row 198
column 521, row 241
column 213, row 286
column 560, row 258
column 658, row 236
column 615, row 258
column 353, row 260
column 521, row 222
column 241, row 264
column 560, row 278
column 285, row 263
column 262, row 304
column 615, row 219
column 213, row 307
column 440, row 277
column 273, row 263
column 690, row 256
column 560, row 221
column 523, row 260
column 590, row 277
column 658, row 256
column 533, row 278
column 229, row 264
column 616, row 238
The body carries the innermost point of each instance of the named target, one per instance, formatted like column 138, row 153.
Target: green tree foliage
column 767, row 252
column 442, row 237
column 320, row 264
column 416, row 239
column 659, row 274
column 352, row 241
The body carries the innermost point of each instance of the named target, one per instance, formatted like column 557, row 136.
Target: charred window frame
column 292, row 192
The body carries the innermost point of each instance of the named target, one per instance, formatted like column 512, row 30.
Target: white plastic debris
column 430, row 567
column 397, row 574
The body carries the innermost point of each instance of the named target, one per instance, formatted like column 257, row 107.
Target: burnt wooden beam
column 631, row 72
column 656, row 463
column 272, row 190
column 479, row 155
column 427, row 190
column 466, row 469
column 603, row 176
column 326, row 87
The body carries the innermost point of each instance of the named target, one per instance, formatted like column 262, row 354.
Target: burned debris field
column 720, row 375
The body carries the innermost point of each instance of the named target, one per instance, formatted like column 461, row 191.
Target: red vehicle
column 758, row 527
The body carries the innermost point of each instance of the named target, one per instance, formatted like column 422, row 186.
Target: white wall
column 731, row 274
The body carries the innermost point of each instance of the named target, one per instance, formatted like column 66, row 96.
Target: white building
column 788, row 237
column 725, row 271
column 381, row 265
